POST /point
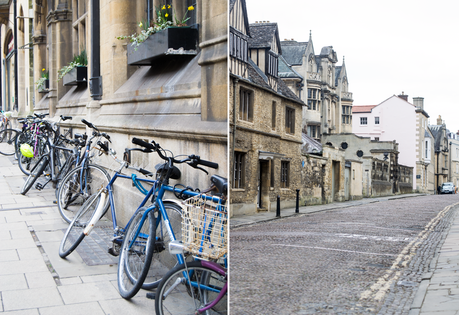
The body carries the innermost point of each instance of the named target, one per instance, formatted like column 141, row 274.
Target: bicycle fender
column 97, row 215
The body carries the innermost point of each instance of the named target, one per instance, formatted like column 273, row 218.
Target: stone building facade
column 178, row 99
column 320, row 83
column 17, row 85
column 265, row 120
column 380, row 173
column 441, row 152
column 425, row 160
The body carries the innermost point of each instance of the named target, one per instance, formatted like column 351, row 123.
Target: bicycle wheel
column 77, row 186
column 136, row 253
column 74, row 234
column 8, row 141
column 188, row 289
column 35, row 173
column 163, row 261
column 26, row 164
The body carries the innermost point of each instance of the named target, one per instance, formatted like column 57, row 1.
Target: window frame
column 363, row 121
column 246, row 104
column 290, row 120
column 239, row 170
column 285, row 174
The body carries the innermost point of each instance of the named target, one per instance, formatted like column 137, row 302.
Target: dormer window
column 272, row 64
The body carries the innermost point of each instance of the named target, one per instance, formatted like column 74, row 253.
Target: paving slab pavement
column 33, row 278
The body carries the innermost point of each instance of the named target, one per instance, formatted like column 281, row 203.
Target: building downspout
column 95, row 81
column 16, row 64
column 235, row 81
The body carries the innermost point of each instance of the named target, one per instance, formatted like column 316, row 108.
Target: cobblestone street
column 367, row 259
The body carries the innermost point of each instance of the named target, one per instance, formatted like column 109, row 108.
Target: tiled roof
column 293, row 51
column 262, row 35
column 362, row 109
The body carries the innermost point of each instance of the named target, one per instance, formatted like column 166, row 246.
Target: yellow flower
column 168, row 6
column 140, row 24
column 190, row 8
column 164, row 7
column 166, row 15
column 43, row 69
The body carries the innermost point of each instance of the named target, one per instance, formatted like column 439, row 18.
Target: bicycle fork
column 98, row 213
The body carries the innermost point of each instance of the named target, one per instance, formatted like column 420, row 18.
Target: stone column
column 39, row 45
column 213, row 60
column 60, row 49
column 117, row 18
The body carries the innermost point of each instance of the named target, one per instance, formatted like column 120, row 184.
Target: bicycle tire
column 184, row 299
column 70, row 197
column 35, row 173
column 74, row 234
column 163, row 260
column 8, row 141
column 134, row 262
column 27, row 164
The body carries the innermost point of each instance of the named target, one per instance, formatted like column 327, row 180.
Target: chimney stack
column 403, row 96
column 418, row 102
column 439, row 120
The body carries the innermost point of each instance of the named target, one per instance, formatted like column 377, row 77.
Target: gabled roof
column 257, row 77
column 285, row 70
column 362, row 109
column 294, row 51
column 310, row 145
column 262, row 35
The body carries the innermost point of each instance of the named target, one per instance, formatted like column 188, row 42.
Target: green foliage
column 44, row 76
column 78, row 61
column 163, row 21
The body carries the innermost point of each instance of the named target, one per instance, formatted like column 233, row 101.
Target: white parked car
column 447, row 188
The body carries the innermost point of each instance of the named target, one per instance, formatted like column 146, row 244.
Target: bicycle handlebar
column 192, row 160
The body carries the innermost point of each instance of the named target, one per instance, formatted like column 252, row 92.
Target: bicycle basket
column 205, row 227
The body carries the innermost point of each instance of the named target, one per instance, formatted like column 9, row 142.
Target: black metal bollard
column 297, row 209
column 278, row 207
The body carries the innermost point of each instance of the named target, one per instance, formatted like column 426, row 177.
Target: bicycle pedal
column 113, row 252
column 151, row 295
column 39, row 186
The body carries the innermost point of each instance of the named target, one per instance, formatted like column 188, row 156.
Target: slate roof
column 262, row 35
column 293, row 51
column 285, row 71
column 310, row 145
column 257, row 77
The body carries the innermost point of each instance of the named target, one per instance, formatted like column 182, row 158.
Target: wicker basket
column 205, row 227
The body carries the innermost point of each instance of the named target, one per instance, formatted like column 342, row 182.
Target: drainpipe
column 95, row 81
column 234, row 119
column 16, row 64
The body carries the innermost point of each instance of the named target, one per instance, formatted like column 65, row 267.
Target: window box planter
column 44, row 88
column 76, row 76
column 165, row 43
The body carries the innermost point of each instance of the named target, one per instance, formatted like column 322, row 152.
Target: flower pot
column 44, row 88
column 173, row 41
column 76, row 76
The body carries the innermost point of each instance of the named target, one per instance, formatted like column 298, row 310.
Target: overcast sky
column 389, row 46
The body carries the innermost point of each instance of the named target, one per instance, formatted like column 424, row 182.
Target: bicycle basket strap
column 138, row 184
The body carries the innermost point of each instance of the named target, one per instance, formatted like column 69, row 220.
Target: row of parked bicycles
column 177, row 247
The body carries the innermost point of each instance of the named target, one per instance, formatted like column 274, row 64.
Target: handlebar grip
column 87, row 123
column 208, row 164
column 105, row 136
column 103, row 146
column 66, row 117
column 144, row 172
column 143, row 143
